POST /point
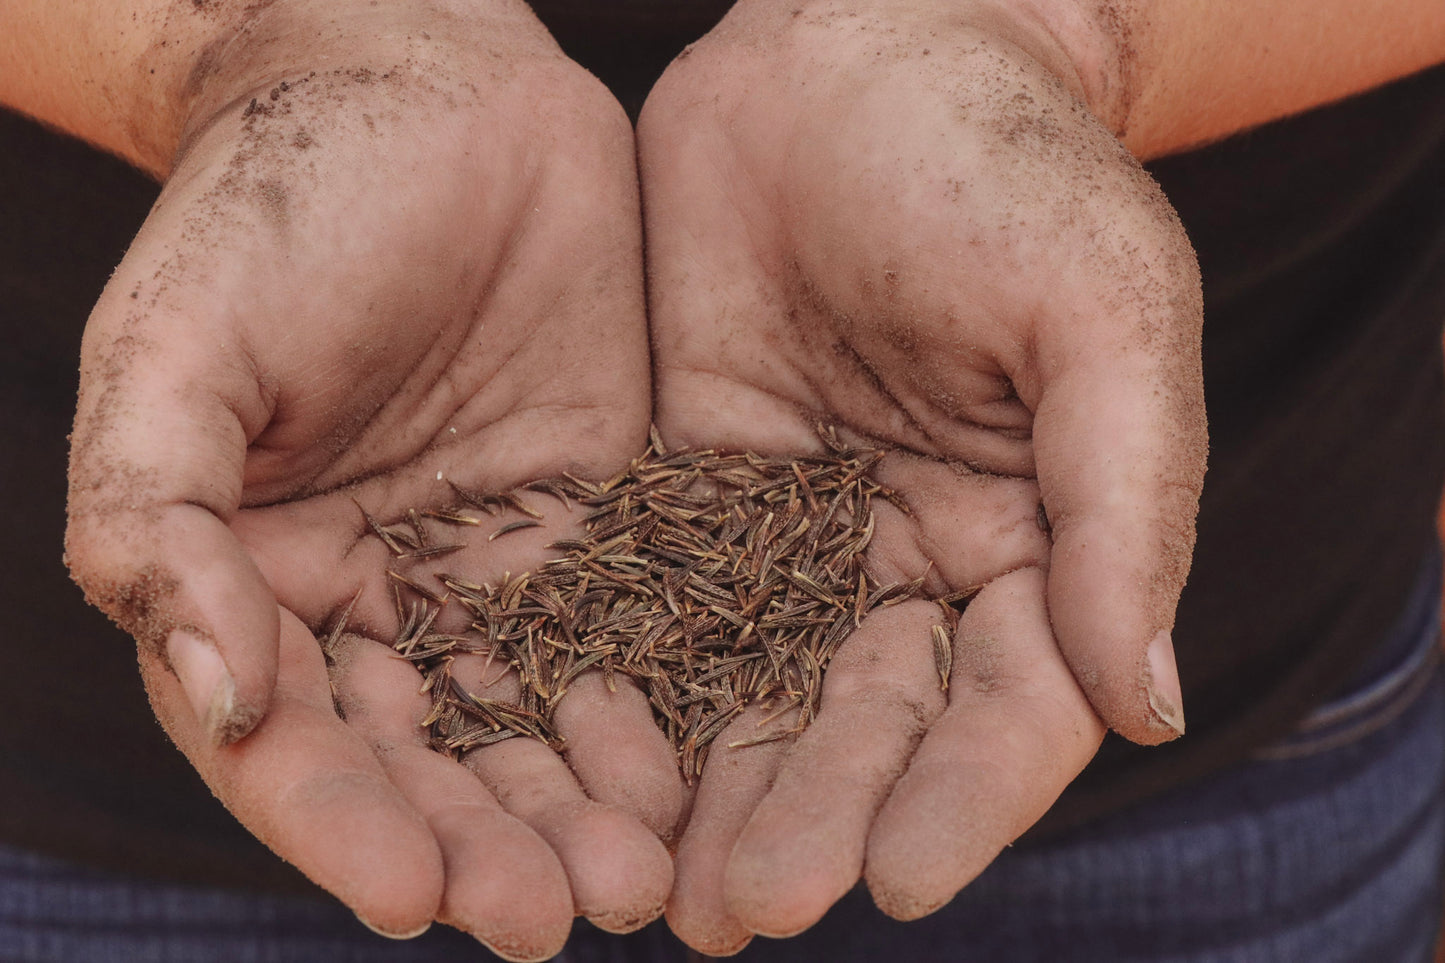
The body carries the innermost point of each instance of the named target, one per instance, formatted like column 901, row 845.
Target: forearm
column 129, row 77
column 119, row 75
column 1169, row 74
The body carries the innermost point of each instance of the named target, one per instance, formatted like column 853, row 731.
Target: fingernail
column 409, row 935
column 206, row 682
column 1165, row 697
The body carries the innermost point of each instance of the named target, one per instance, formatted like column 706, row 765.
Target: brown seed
column 942, row 655
column 418, row 588
column 432, row 552
column 512, row 527
column 713, row 580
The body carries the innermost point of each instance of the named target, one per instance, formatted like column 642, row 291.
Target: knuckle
column 140, row 602
column 139, row 598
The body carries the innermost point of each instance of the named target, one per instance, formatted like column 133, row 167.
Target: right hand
column 399, row 247
column 896, row 219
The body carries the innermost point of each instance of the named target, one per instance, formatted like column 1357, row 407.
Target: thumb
column 1121, row 442
column 167, row 404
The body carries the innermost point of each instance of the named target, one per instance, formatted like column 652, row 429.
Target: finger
column 1017, row 730
column 803, row 847
column 310, row 789
column 618, row 753
column 618, row 870
column 165, row 410
column 504, row 885
column 734, row 781
column 1120, row 443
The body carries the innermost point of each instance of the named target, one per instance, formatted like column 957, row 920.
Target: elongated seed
column 711, row 580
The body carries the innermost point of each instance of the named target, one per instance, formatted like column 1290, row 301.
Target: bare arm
column 1166, row 75
column 127, row 77
column 123, row 76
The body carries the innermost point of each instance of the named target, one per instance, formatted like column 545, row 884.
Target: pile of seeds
column 714, row 580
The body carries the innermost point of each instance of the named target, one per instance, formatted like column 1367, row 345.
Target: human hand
column 400, row 247
column 904, row 224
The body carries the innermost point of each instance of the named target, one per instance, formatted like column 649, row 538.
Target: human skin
column 102, row 72
column 926, row 224
column 348, row 294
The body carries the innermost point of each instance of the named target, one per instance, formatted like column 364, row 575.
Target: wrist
column 138, row 78
column 1086, row 46
column 449, row 43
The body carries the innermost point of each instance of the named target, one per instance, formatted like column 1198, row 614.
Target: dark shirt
column 1322, row 244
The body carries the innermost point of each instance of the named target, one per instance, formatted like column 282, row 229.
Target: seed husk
column 714, row 580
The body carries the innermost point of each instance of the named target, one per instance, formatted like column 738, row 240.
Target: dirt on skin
column 141, row 606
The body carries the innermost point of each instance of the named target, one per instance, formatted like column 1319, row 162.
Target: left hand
column 401, row 247
column 906, row 226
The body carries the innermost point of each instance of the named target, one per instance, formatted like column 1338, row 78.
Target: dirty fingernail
column 409, row 935
column 205, row 680
column 1165, row 697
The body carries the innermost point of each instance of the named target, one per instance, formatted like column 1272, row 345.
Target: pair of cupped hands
column 404, row 249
